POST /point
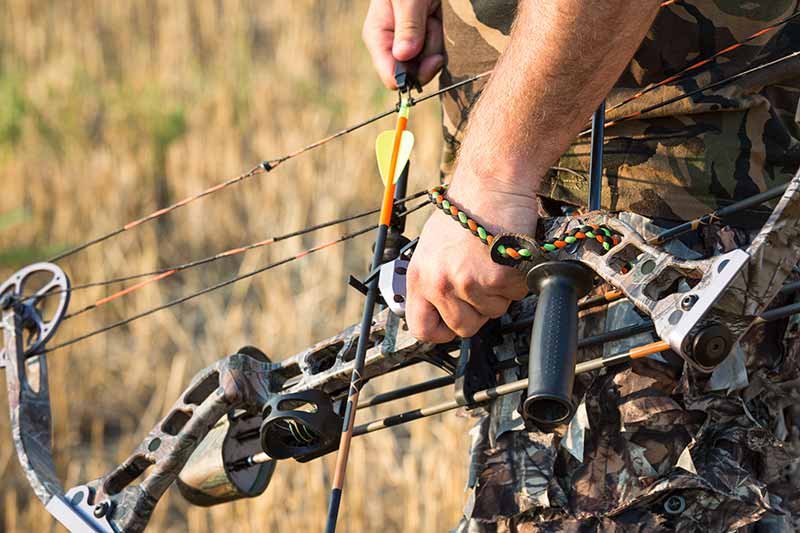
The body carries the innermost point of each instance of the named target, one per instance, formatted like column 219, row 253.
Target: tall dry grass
column 111, row 109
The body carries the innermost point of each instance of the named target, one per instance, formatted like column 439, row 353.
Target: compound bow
column 222, row 438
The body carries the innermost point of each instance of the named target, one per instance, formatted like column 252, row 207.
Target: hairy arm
column 562, row 59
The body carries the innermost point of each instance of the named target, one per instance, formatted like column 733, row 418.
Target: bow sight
column 222, row 438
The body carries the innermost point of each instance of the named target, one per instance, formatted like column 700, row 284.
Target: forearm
column 562, row 59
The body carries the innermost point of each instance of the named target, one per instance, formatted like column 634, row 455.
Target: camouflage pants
column 654, row 445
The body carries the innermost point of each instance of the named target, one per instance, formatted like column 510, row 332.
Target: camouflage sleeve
column 687, row 158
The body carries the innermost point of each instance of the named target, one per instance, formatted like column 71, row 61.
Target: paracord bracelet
column 602, row 234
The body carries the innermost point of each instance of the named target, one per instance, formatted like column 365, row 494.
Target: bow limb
column 30, row 415
column 773, row 253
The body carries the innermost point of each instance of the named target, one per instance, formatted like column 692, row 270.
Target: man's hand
column 401, row 30
column 453, row 285
column 562, row 59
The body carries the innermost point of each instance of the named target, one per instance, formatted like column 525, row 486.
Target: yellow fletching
column 384, row 145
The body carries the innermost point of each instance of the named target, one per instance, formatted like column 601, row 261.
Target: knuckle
column 497, row 277
column 468, row 283
column 409, row 25
column 424, row 330
column 440, row 285
column 498, row 310
column 468, row 330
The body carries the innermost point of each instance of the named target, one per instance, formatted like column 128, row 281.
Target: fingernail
column 403, row 48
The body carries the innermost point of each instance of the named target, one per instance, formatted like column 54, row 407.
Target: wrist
column 500, row 204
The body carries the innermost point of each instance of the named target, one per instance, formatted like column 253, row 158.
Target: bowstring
column 686, row 71
column 715, row 85
column 221, row 255
column 270, row 164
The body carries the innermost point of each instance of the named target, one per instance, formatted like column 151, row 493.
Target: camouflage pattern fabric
column 682, row 160
column 654, row 445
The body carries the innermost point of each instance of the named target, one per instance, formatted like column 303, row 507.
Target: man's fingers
column 459, row 316
column 489, row 306
column 402, row 31
column 383, row 62
column 378, row 36
column 433, row 51
column 410, row 17
column 425, row 323
column 429, row 67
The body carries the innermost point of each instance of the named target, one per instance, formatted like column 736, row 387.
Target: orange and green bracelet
column 602, row 234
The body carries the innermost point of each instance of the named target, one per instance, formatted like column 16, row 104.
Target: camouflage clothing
column 656, row 446
column 682, row 160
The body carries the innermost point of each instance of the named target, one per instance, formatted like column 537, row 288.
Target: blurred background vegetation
column 109, row 110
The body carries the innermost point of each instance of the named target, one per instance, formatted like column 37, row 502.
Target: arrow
column 392, row 149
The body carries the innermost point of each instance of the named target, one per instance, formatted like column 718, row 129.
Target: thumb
column 409, row 28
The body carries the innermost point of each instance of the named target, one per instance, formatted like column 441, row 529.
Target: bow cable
column 268, row 165
column 410, row 102
column 709, row 87
column 263, row 168
column 161, row 273
column 158, row 275
column 684, row 73
column 304, row 253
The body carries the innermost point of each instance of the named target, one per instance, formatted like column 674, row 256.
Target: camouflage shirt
column 682, row 160
column 653, row 445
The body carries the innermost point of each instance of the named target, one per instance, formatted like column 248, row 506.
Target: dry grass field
column 109, row 110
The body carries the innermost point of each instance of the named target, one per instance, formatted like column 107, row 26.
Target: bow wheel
column 41, row 294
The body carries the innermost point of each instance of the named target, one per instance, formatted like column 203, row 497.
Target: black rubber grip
column 554, row 342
